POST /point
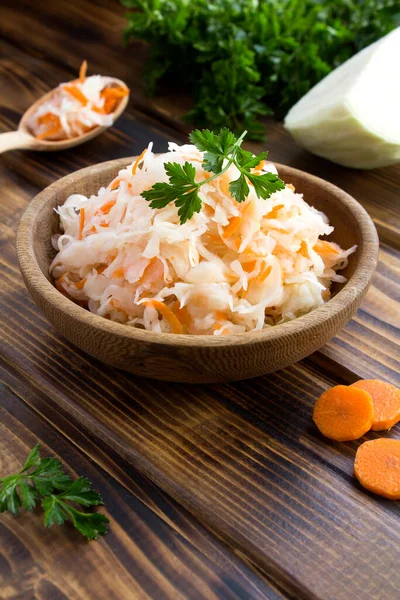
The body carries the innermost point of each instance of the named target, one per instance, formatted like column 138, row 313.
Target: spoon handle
column 15, row 139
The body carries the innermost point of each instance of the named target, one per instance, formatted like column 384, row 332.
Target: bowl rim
column 355, row 287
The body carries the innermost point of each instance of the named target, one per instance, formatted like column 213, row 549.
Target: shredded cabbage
column 231, row 268
column 77, row 107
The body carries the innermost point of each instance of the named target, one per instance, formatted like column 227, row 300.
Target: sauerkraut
column 231, row 268
column 77, row 106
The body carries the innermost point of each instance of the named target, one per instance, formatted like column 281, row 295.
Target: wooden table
column 218, row 491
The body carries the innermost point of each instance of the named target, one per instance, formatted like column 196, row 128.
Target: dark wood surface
column 218, row 491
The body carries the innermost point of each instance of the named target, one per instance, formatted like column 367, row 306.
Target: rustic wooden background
column 219, row 491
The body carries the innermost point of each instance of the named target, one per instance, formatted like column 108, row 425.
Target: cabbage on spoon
column 352, row 116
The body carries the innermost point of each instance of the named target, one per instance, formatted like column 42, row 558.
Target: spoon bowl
column 24, row 139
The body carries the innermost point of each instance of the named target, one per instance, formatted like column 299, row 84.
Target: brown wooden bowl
column 196, row 358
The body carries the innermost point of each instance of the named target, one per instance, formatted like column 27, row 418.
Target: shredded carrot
column 81, row 222
column 118, row 273
column 49, row 132
column 260, row 165
column 182, row 314
column 80, row 284
column 274, row 212
column 169, row 316
column 114, row 92
column 303, row 249
column 76, row 93
column 264, row 274
column 115, row 184
column 220, row 316
column 233, row 226
column 59, row 285
column 377, row 467
column 136, row 164
column 218, row 327
column 49, row 118
column 82, row 71
column 105, row 209
column 250, row 266
column 326, row 294
column 344, row 413
column 323, row 247
column 291, row 187
column 386, row 399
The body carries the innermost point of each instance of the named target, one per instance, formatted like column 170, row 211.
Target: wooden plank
column 92, row 25
column 147, row 557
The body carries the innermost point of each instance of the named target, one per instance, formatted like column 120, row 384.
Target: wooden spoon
column 23, row 138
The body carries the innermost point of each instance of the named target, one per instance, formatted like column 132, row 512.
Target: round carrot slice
column 344, row 413
column 377, row 467
column 386, row 399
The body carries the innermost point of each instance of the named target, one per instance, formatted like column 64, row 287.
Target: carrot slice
column 377, row 467
column 386, row 399
column 81, row 222
column 76, row 93
column 169, row 316
column 344, row 413
column 82, row 71
column 135, row 166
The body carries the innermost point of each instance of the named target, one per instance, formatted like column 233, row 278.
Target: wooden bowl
column 196, row 358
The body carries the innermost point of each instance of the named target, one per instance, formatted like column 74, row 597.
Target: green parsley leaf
column 216, row 147
column 58, row 509
column 188, row 204
column 247, row 160
column 45, row 478
column 239, row 189
column 33, row 459
column 220, row 152
column 180, row 175
column 161, row 194
column 265, row 185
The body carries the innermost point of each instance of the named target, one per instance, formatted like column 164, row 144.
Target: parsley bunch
column 220, row 152
column 45, row 479
column 242, row 59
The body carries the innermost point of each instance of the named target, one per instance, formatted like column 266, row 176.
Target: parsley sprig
column 45, row 479
column 220, row 152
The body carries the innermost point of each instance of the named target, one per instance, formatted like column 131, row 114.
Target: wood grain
column 147, row 557
column 244, row 458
